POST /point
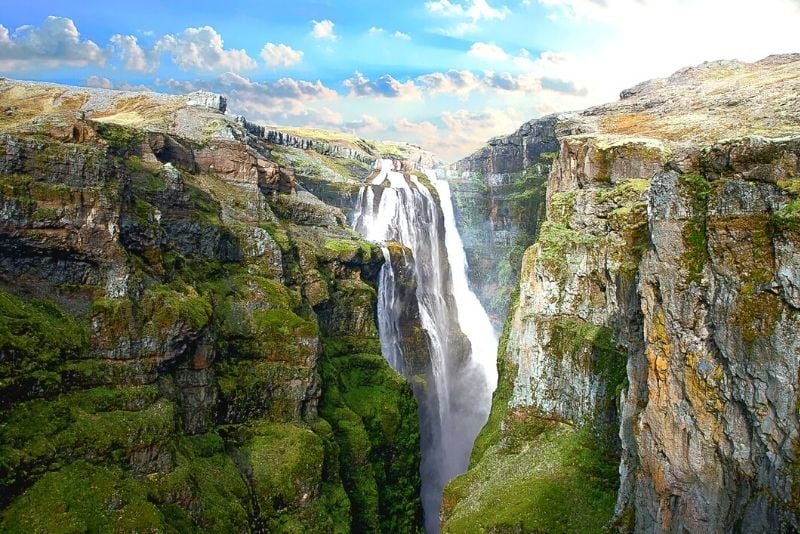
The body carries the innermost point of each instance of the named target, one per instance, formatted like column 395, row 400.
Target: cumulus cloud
column 456, row 82
column 202, row 49
column 402, row 36
column 383, row 86
column 366, row 124
column 280, row 55
column 455, row 134
column 57, row 42
column 98, row 82
column 286, row 100
column 323, row 29
column 487, row 51
column 468, row 130
column 470, row 13
column 132, row 54
column 423, row 130
column 562, row 86
column 375, row 30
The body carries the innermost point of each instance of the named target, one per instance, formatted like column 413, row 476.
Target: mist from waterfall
column 454, row 388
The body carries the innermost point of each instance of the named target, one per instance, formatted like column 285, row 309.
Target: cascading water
column 454, row 382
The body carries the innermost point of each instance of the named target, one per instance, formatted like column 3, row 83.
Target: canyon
column 209, row 324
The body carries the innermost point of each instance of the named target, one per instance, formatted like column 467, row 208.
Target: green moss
column 348, row 249
column 123, row 140
column 787, row 218
column 204, row 207
column 627, row 192
column 491, row 433
column 695, row 235
column 562, row 207
column 44, row 214
column 425, row 181
column 757, row 312
column 556, row 241
column 146, row 178
column 558, row 482
column 284, row 493
column 344, row 345
column 166, row 306
column 105, row 424
column 591, row 346
column 374, row 420
column 278, row 234
column 36, row 337
column 84, row 498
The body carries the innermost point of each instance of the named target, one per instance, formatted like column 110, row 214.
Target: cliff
column 499, row 199
column 187, row 335
column 654, row 329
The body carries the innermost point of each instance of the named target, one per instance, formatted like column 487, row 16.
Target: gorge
column 453, row 378
column 211, row 325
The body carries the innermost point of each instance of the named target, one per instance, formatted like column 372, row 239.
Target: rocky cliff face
column 656, row 321
column 499, row 195
column 187, row 338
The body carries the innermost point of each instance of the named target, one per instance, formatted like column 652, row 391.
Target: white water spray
column 472, row 316
column 454, row 385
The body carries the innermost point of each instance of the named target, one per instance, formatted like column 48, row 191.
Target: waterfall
column 423, row 282
column 472, row 317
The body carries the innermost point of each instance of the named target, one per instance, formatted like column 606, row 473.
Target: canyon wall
column 188, row 337
column 499, row 195
column 649, row 364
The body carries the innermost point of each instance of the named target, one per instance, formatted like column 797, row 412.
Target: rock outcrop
column 656, row 321
column 187, row 337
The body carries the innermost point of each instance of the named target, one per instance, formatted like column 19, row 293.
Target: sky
column 444, row 74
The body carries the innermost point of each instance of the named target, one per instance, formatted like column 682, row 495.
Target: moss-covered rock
column 171, row 379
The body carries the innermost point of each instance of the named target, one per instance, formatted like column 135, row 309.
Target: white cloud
column 383, row 86
column 637, row 45
column 132, row 54
column 280, row 55
column 134, row 88
column 286, row 100
column 366, row 124
column 178, row 86
column 402, row 36
column 455, row 82
column 323, row 29
column 471, row 14
column 423, row 130
column 99, row 82
column 375, row 30
column 202, row 49
column 57, row 42
column 487, row 51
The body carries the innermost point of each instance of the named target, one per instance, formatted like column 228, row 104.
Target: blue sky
column 447, row 74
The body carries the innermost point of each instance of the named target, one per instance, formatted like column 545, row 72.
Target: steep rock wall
column 657, row 312
column 499, row 195
column 176, row 322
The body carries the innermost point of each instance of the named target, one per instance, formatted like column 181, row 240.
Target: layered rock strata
column 656, row 320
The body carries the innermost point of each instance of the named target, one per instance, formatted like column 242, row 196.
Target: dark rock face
column 175, row 322
column 513, row 153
